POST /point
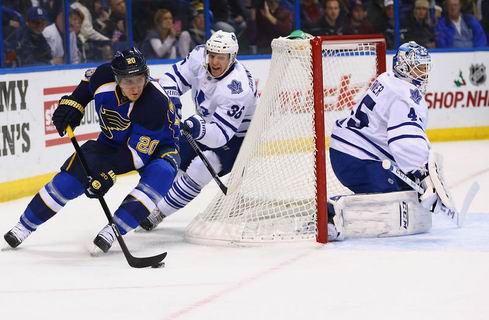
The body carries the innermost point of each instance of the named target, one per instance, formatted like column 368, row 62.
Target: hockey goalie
column 388, row 123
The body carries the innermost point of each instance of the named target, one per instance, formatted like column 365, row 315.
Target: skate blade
column 140, row 229
column 95, row 251
column 5, row 246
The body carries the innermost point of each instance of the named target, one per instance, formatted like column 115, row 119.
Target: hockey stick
column 154, row 261
column 457, row 217
column 207, row 164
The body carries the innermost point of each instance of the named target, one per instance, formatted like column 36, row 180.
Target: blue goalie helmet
column 128, row 63
column 412, row 63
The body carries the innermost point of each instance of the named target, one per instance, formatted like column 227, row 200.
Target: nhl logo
column 478, row 74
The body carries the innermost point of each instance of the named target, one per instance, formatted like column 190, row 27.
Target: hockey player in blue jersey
column 389, row 122
column 225, row 97
column 140, row 131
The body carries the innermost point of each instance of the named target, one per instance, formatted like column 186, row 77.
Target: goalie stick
column 135, row 262
column 206, row 162
column 457, row 217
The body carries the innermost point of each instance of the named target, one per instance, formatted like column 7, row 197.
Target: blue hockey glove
column 100, row 184
column 194, row 125
column 68, row 112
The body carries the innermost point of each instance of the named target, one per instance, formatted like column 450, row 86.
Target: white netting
column 272, row 187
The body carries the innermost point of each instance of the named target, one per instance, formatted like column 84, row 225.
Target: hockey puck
column 158, row 265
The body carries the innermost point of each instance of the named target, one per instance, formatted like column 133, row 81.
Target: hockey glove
column 100, row 184
column 194, row 125
column 68, row 112
column 429, row 199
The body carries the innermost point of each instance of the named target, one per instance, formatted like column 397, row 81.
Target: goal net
column 281, row 179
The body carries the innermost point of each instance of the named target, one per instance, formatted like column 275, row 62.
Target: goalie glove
column 100, row 184
column 68, row 112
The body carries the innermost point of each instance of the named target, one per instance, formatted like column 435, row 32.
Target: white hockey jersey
column 226, row 104
column 389, row 122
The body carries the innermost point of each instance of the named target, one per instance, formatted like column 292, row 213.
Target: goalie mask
column 222, row 42
column 412, row 63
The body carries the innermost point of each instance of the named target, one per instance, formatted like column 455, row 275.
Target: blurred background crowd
column 34, row 32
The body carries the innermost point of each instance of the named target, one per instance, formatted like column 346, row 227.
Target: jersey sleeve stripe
column 174, row 80
column 372, row 143
column 225, row 122
column 180, row 76
column 171, row 89
column 355, row 146
column 405, row 136
column 405, row 124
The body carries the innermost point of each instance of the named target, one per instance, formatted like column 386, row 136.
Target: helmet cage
column 408, row 62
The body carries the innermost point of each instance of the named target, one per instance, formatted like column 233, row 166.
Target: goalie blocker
column 380, row 215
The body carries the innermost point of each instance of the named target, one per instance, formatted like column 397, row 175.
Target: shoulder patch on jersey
column 89, row 73
column 235, row 87
column 415, row 95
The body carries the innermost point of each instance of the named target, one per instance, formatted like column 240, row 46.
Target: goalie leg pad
column 381, row 215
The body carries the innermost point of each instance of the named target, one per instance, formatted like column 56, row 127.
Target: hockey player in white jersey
column 389, row 122
column 225, row 96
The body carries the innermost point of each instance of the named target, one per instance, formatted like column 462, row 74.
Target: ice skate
column 152, row 221
column 17, row 235
column 104, row 239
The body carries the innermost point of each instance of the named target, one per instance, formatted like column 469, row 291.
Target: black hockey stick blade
column 134, row 262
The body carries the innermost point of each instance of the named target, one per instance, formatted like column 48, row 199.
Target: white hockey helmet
column 412, row 63
column 223, row 42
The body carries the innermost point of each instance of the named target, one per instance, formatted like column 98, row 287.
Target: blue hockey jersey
column 137, row 128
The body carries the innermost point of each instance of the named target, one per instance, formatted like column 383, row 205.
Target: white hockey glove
column 429, row 199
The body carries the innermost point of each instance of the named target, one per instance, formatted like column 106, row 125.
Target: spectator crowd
column 34, row 31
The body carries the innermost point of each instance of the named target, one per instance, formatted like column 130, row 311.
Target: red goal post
column 280, row 182
column 319, row 108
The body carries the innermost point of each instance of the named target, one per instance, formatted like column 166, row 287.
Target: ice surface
column 440, row 275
